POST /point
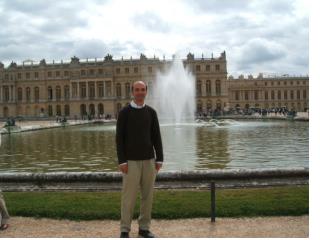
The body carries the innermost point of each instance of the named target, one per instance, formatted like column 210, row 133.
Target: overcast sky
column 268, row 36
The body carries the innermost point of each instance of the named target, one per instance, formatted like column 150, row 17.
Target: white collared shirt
column 134, row 105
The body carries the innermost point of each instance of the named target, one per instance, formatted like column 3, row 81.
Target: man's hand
column 158, row 166
column 124, row 168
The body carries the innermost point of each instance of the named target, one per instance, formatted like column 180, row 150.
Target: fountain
column 174, row 94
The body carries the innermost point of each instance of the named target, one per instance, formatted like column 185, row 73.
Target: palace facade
column 102, row 87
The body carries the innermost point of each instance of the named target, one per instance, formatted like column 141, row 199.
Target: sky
column 268, row 36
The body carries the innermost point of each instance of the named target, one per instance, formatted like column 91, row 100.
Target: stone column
column 104, row 89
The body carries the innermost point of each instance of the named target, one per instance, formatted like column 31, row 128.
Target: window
column 135, row 69
column 6, row 93
column 218, row 87
column 66, row 110
column 91, row 90
column 66, row 92
column 83, row 89
column 237, row 95
column 50, row 95
column 256, row 95
column 208, row 87
column 199, row 91
column 19, row 94
column 272, row 95
column 91, row 72
column 126, row 70
column 83, row 72
column 279, row 83
column 108, row 88
column 246, row 95
column 66, row 73
column 57, row 74
column 217, row 67
column 19, row 75
column 58, row 93
column 198, row 68
column 291, row 94
column 28, row 94
column 298, row 94
column 36, row 94
column 266, row 95
column 100, row 89
column 49, row 74
column 127, row 87
column 266, row 83
column 149, row 69
column 279, row 94
column 50, row 113
column 304, row 94
column 36, row 75
column 118, row 90
column 285, row 95
column 118, row 70
column 100, row 71
column 58, row 110
column 285, row 83
column 207, row 68
column 74, row 89
column 28, row 75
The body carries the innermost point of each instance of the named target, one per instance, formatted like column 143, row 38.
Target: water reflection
column 251, row 144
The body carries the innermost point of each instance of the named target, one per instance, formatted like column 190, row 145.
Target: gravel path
column 198, row 227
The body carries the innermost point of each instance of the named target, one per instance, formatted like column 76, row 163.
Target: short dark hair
column 144, row 84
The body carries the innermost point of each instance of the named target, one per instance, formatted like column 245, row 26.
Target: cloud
column 151, row 22
column 258, row 35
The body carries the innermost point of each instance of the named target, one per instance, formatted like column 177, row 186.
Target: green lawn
column 168, row 204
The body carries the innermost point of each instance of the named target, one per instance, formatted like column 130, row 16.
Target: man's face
column 139, row 91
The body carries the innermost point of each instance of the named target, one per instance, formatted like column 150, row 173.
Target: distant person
column 4, row 215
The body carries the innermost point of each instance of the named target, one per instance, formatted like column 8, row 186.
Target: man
column 140, row 157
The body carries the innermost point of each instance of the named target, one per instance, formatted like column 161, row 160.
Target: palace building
column 102, row 87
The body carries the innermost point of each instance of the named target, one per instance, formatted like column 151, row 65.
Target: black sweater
column 138, row 134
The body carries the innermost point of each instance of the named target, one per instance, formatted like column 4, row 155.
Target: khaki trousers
column 4, row 215
column 141, row 175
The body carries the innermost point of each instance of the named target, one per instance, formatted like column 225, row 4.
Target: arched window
column 83, row 110
column 28, row 94
column 58, row 110
column 100, row 109
column 127, row 86
column 66, row 110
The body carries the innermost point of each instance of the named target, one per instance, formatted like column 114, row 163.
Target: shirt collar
column 134, row 105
